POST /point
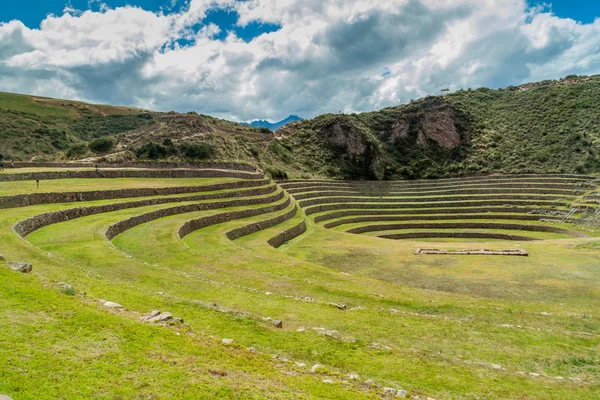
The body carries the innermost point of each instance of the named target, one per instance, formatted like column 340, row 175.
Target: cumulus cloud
column 326, row 56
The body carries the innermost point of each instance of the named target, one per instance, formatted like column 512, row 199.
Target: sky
column 266, row 59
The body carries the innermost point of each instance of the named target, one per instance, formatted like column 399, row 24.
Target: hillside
column 545, row 127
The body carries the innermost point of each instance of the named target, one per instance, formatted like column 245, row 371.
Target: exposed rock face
column 399, row 130
column 440, row 127
column 350, row 139
column 21, row 267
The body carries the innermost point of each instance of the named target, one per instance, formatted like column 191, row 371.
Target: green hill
column 545, row 127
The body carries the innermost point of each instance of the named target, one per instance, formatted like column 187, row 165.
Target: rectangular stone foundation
column 476, row 252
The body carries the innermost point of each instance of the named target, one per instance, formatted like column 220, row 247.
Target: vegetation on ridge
column 546, row 127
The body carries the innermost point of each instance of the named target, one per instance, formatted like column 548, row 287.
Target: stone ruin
column 478, row 252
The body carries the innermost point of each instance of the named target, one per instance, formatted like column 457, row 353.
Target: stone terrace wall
column 287, row 235
column 122, row 226
column 139, row 164
column 196, row 224
column 454, row 211
column 421, row 188
column 432, row 201
column 157, row 173
column 24, row 200
column 455, row 235
column 466, row 225
column 500, row 192
column 25, row 227
column 523, row 217
column 261, row 225
column 433, row 206
column 480, row 177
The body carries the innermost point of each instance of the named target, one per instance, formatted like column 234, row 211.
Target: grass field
column 361, row 315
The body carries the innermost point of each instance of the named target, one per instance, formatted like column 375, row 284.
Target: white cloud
column 327, row 55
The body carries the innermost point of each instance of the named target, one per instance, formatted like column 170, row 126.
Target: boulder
column 111, row 304
column 2, row 258
column 154, row 313
column 340, row 306
column 65, row 286
column 21, row 267
column 401, row 393
column 315, row 367
column 162, row 317
column 331, row 333
column 227, row 341
column 5, row 397
column 278, row 323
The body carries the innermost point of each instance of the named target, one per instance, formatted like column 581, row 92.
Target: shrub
column 276, row 173
column 152, row 151
column 197, row 151
column 77, row 151
column 102, row 145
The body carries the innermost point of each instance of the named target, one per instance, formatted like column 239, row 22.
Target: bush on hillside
column 152, row 151
column 197, row 151
column 102, row 145
column 77, row 151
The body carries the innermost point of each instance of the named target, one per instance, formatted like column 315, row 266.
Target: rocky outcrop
column 22, row 267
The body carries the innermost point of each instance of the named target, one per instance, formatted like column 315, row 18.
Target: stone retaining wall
column 196, row 224
column 454, row 179
column 436, row 209
column 25, row 227
column 261, row 225
column 24, row 200
column 122, row 226
column 458, row 202
column 455, row 235
column 304, row 188
column 139, row 164
column 287, row 235
column 524, row 217
column 454, row 211
column 466, row 225
column 448, row 193
column 148, row 173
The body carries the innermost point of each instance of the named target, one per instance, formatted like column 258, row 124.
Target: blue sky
column 33, row 12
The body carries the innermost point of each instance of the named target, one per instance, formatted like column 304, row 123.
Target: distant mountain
column 274, row 125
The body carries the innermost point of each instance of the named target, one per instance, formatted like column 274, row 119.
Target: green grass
column 438, row 315
column 77, row 185
column 26, row 104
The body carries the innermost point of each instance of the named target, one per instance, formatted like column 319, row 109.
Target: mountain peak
column 261, row 123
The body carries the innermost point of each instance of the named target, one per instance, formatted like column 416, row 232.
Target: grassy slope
column 433, row 335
